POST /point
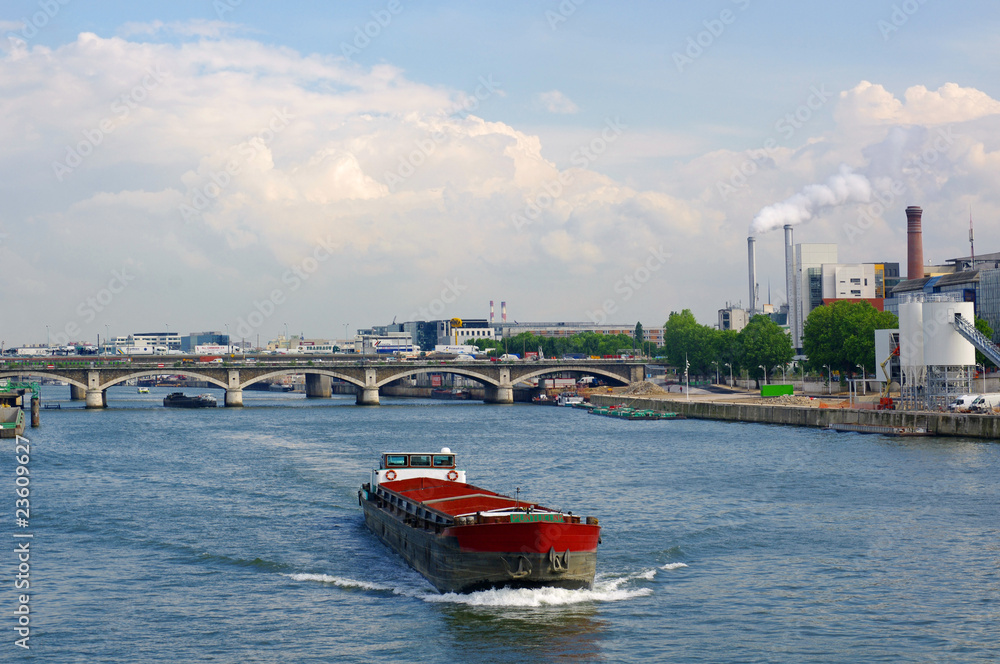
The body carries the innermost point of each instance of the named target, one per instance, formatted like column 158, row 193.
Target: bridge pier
column 499, row 394
column 77, row 393
column 367, row 396
column 234, row 398
column 97, row 398
column 318, row 386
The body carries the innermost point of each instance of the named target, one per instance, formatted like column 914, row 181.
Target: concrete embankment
column 941, row 424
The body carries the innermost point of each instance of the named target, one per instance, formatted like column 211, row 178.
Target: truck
column 985, row 403
column 962, row 403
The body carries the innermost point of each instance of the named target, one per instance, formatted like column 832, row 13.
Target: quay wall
column 941, row 424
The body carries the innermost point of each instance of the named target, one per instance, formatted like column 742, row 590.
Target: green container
column 775, row 390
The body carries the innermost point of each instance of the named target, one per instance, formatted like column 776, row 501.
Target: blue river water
column 234, row 535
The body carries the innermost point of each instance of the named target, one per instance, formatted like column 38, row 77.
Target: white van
column 962, row 403
column 985, row 403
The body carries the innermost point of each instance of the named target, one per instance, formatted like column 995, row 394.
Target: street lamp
column 229, row 341
column 829, row 379
column 288, row 344
column 716, row 372
column 782, row 367
column 107, row 334
column 984, row 375
column 864, row 387
column 48, row 339
column 765, row 372
column 730, row 373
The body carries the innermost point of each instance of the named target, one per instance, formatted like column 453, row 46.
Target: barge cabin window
column 418, row 461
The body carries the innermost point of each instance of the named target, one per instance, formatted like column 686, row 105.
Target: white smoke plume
column 844, row 187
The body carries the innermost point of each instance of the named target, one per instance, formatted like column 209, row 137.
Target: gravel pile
column 643, row 388
column 785, row 400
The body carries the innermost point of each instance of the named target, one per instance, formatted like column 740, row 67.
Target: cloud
column 224, row 163
column 555, row 101
column 869, row 103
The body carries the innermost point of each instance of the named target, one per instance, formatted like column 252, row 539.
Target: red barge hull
column 445, row 530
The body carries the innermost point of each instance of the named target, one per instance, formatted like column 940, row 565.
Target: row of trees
column 839, row 336
column 586, row 343
column 761, row 346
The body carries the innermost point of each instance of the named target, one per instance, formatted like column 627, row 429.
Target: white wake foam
column 341, row 581
column 670, row 566
column 607, row 588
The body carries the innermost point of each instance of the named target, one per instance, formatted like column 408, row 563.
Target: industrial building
column 814, row 277
column 974, row 279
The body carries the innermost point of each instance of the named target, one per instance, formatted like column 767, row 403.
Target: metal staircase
column 977, row 339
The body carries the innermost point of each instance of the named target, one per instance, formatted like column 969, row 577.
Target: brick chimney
column 914, row 243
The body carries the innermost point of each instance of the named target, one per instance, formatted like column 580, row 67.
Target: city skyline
column 203, row 165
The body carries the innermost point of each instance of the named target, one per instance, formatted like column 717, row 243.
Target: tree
column 764, row 343
column 685, row 339
column 841, row 335
column 637, row 337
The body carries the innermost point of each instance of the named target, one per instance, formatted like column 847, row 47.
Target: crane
column 885, row 401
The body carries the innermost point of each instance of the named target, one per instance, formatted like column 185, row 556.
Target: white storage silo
column 942, row 344
column 911, row 333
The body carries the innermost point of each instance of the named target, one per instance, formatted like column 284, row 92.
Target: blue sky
column 873, row 84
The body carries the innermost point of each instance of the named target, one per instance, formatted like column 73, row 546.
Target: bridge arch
column 515, row 379
column 303, row 370
column 42, row 374
column 159, row 372
column 458, row 371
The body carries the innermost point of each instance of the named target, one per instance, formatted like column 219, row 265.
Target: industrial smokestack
column 491, row 312
column 752, row 263
column 790, row 286
column 914, row 243
column 503, row 312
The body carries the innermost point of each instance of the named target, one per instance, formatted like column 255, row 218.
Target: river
column 234, row 535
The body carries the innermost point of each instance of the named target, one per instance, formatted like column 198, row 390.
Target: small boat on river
column 181, row 400
column 464, row 538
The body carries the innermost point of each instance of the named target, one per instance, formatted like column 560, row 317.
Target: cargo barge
column 463, row 538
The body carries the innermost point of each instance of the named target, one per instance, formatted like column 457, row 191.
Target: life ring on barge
column 390, row 475
column 452, row 475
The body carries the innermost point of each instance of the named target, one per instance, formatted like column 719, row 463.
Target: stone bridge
column 89, row 379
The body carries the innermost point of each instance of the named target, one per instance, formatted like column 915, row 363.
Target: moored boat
column 181, row 400
column 885, row 430
column 464, row 538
